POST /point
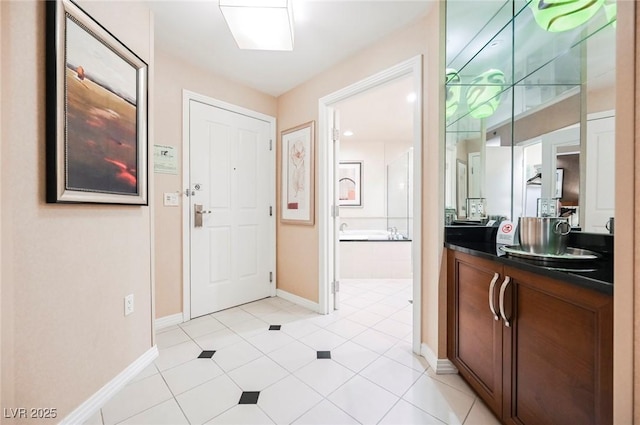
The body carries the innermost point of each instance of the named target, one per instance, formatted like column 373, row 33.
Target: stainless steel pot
column 544, row 235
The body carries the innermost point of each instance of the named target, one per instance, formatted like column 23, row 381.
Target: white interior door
column 232, row 185
column 498, row 177
column 475, row 174
column 600, row 174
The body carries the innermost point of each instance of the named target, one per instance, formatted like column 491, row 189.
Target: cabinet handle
column 503, row 288
column 492, row 287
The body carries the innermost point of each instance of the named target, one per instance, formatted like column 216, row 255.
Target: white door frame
column 326, row 194
column 188, row 96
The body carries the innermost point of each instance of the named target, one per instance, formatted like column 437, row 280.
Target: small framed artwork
column 297, row 174
column 96, row 112
column 350, row 183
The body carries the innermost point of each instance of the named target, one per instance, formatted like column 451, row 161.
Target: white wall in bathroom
column 375, row 155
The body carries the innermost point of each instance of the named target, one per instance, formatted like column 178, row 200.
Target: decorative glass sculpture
column 563, row 15
column 453, row 92
column 483, row 96
column 611, row 11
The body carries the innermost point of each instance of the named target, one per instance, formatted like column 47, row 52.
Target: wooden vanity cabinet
column 475, row 338
column 548, row 357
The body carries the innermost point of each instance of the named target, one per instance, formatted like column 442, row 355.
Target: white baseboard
column 166, row 321
column 440, row 366
column 94, row 403
column 303, row 302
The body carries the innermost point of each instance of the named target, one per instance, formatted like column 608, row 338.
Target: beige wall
column 3, row 340
column 65, row 268
column 174, row 75
column 626, row 356
column 434, row 283
column 298, row 269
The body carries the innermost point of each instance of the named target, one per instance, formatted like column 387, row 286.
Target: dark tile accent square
column 324, row 354
column 249, row 397
column 207, row 354
column 275, row 327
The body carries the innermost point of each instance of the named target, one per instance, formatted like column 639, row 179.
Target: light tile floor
column 372, row 376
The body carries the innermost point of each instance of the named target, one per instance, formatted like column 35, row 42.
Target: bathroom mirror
column 531, row 113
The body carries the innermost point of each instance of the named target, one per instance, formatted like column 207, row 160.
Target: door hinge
column 335, row 286
column 270, row 144
column 270, row 211
column 270, row 277
column 335, row 211
column 336, row 134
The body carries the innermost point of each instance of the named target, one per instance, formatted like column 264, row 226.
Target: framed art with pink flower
column 297, row 148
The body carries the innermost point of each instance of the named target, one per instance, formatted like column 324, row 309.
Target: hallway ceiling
column 326, row 33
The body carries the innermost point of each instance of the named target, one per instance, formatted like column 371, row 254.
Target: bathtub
column 370, row 254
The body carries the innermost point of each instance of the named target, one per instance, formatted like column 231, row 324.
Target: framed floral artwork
column 297, row 146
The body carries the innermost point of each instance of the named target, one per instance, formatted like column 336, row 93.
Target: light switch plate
column 171, row 199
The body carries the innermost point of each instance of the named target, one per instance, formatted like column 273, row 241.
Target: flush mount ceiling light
column 260, row 24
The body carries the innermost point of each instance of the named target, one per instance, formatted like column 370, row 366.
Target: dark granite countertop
column 594, row 274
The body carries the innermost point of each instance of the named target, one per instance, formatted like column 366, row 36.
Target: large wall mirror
column 530, row 111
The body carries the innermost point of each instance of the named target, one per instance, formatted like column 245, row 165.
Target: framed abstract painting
column 96, row 112
column 297, row 146
column 350, row 183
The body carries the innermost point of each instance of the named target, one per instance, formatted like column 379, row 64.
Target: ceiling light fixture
column 348, row 133
column 411, row 97
column 260, row 24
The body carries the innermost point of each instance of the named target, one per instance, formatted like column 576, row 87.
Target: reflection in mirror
column 537, row 140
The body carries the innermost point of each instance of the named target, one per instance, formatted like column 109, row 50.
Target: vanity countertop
column 594, row 274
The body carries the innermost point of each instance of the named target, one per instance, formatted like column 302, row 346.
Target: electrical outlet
column 128, row 304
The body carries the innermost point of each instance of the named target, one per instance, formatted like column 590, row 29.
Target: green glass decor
column 453, row 92
column 563, row 15
column 483, row 97
column 611, row 11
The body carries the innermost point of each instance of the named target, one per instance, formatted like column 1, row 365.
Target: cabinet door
column 558, row 353
column 475, row 337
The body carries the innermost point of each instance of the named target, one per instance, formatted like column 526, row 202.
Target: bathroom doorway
column 359, row 161
column 375, row 181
